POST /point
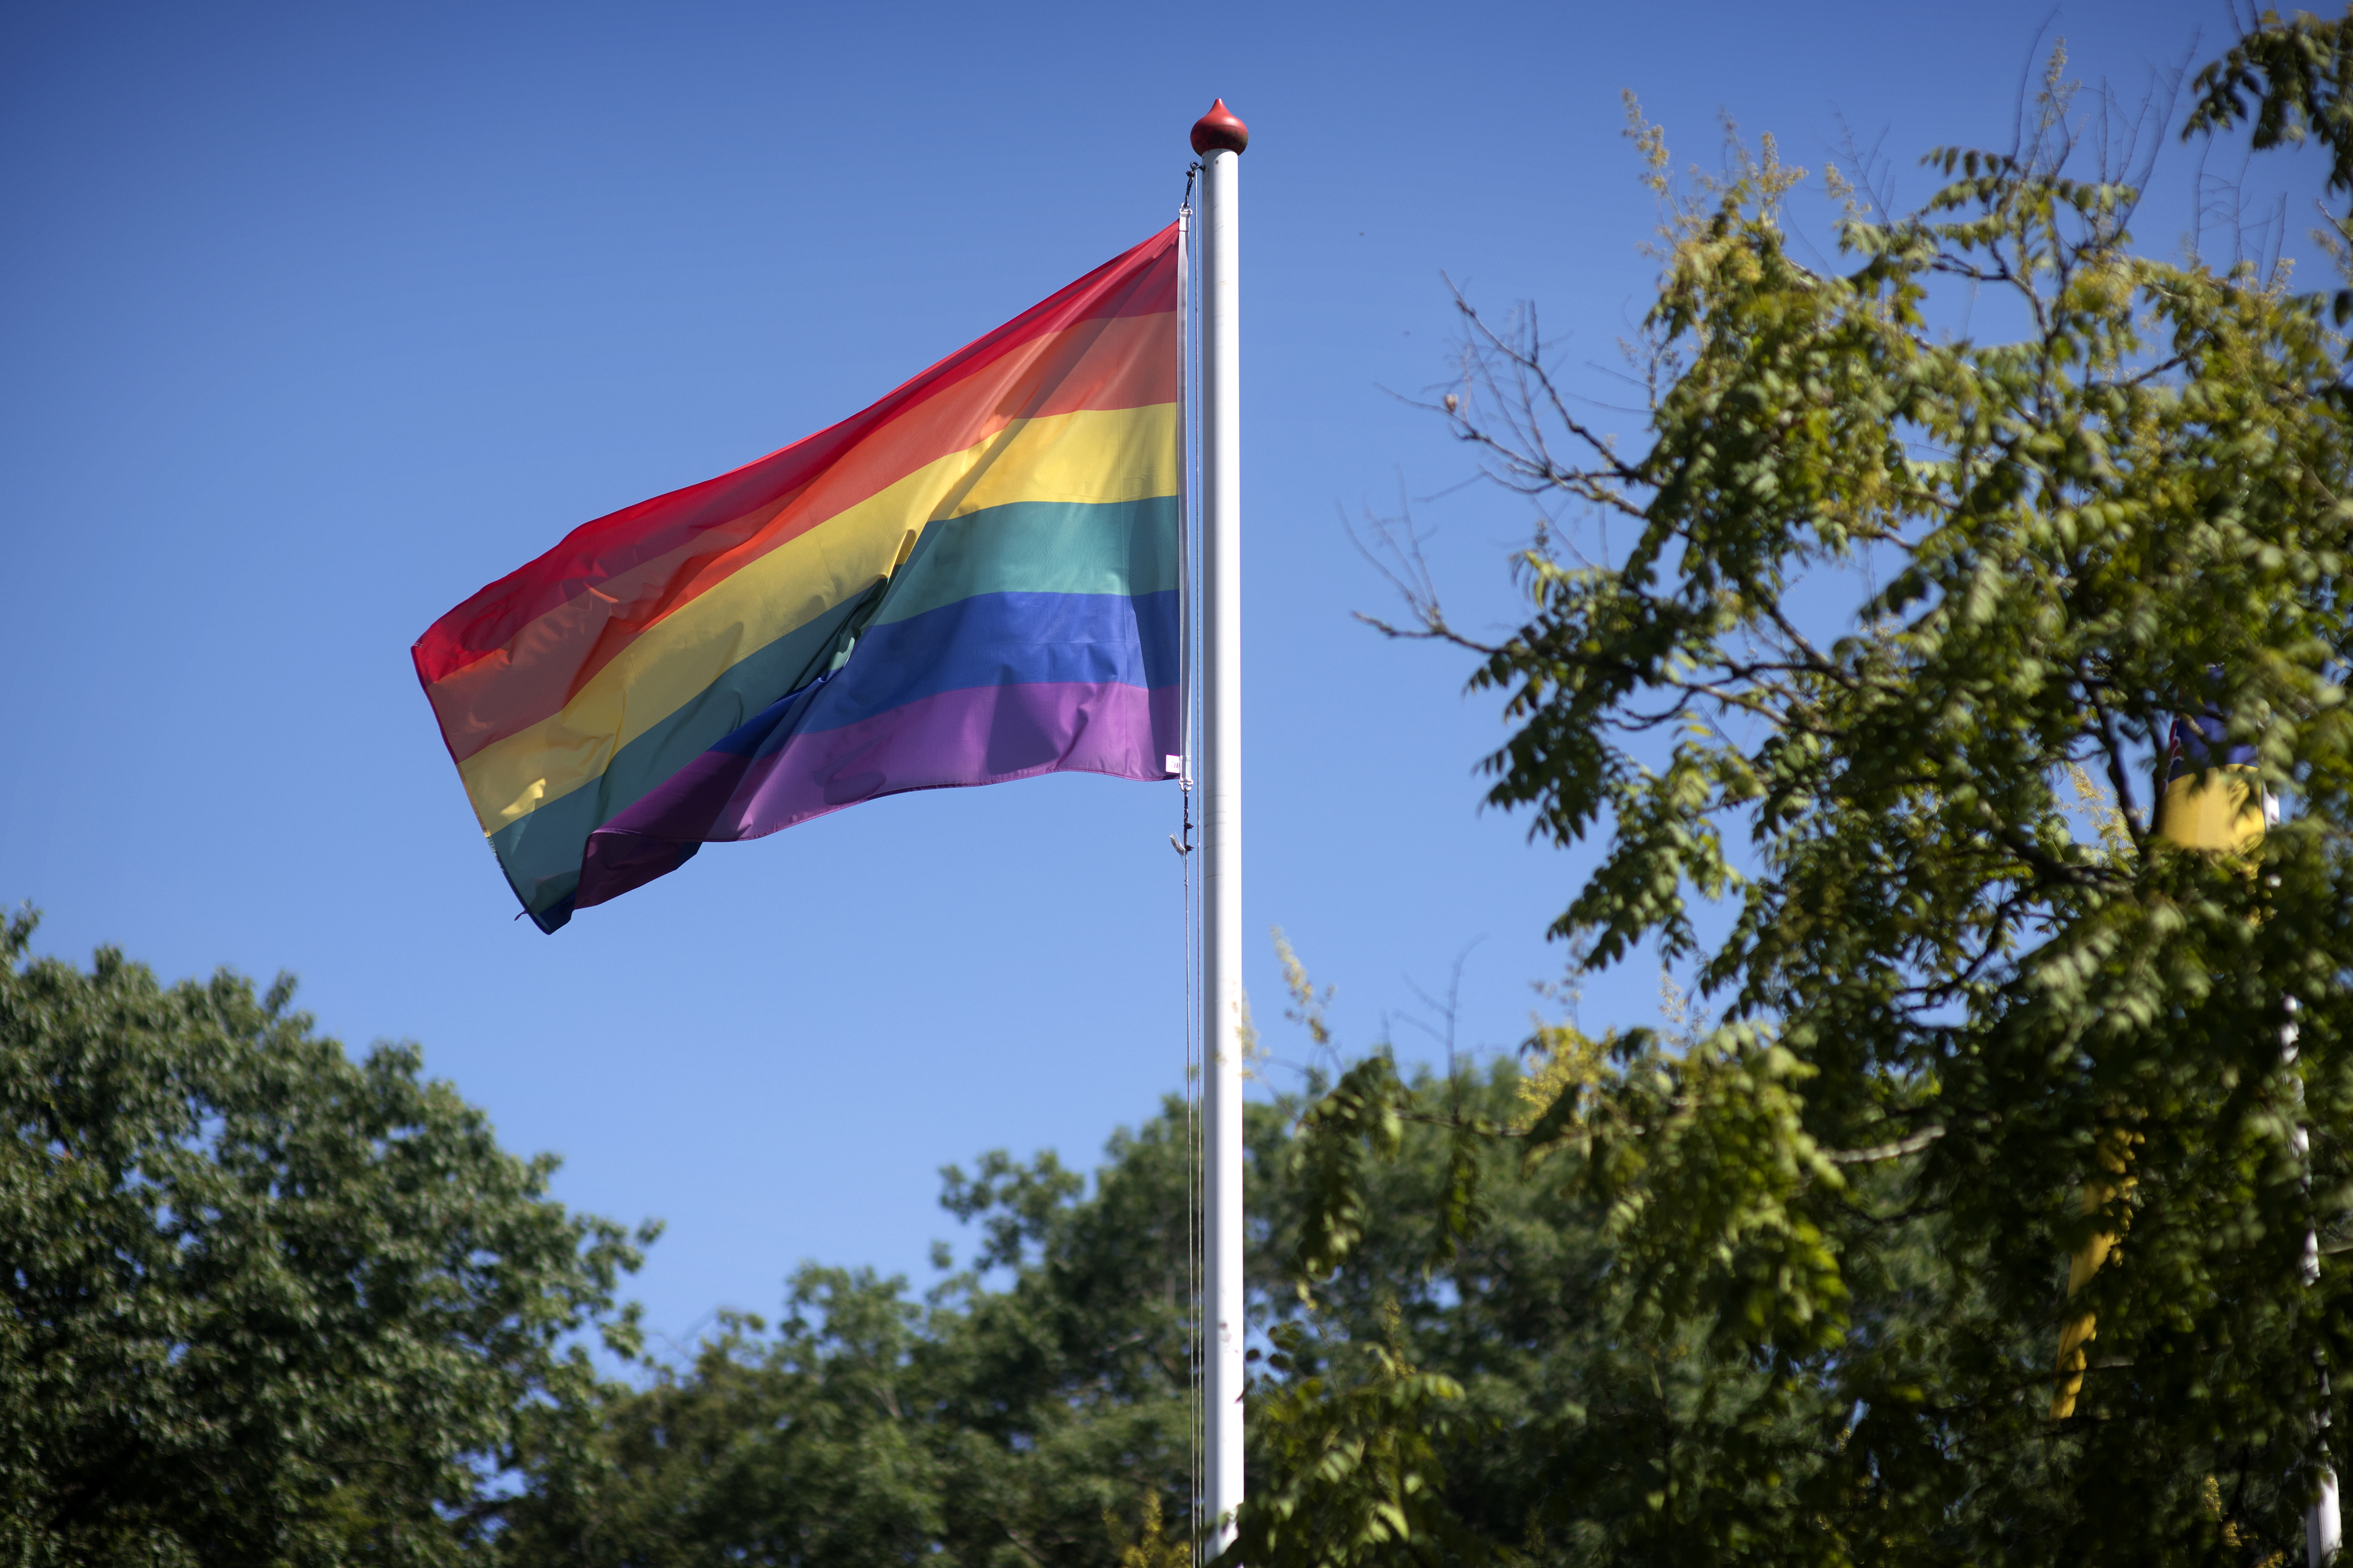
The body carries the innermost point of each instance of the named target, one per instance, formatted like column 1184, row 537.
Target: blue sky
column 313, row 320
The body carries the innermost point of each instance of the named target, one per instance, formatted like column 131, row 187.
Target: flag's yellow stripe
column 1089, row 455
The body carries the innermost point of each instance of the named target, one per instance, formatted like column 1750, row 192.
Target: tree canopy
column 1860, row 670
column 1041, row 1421
column 261, row 1303
column 1032, row 1411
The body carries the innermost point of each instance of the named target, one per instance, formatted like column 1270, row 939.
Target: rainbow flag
column 974, row 580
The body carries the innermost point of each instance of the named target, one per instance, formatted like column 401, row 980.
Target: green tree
column 1034, row 1423
column 1448, row 1385
column 1860, row 670
column 260, row 1303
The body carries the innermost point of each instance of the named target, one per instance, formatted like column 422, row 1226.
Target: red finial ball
column 1219, row 131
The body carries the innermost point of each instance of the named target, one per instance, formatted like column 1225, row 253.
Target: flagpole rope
column 1195, row 1411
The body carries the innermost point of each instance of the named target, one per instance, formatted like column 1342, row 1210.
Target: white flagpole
column 1220, row 139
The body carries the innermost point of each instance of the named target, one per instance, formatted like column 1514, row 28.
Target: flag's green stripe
column 1038, row 547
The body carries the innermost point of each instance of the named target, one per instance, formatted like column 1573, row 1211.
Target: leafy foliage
column 1823, row 668
column 1043, row 1422
column 259, row 1303
column 2298, row 72
column 1451, row 1377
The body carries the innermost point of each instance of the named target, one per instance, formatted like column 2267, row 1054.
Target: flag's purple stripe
column 977, row 735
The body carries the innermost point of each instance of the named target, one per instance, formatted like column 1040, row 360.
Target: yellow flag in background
column 2225, row 812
